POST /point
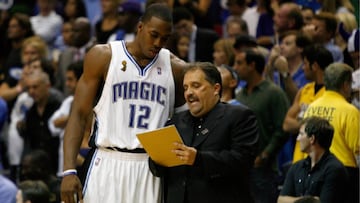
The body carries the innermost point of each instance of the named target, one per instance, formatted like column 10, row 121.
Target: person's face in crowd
column 28, row 170
column 46, row 6
column 234, row 8
column 108, row 6
column 183, row 46
column 67, row 33
column 70, row 81
column 200, row 95
column 280, row 18
column 14, row 30
column 70, row 8
column 307, row 15
column 30, row 67
column 288, row 47
column 184, row 27
column 227, row 80
column 240, row 66
column 307, row 68
column 304, row 140
column 152, row 36
column 29, row 53
column 80, row 36
column 320, row 34
column 219, row 56
column 37, row 88
column 234, row 29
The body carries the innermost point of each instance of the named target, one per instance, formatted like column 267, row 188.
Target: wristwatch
column 285, row 75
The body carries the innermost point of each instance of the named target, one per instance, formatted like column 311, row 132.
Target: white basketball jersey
column 133, row 99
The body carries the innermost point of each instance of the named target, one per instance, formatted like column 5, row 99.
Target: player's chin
column 153, row 53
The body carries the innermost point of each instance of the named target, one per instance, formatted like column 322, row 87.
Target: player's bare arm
column 95, row 67
column 178, row 67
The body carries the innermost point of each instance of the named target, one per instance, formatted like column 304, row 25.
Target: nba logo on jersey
column 159, row 70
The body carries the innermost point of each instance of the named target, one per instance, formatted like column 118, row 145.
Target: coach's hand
column 71, row 189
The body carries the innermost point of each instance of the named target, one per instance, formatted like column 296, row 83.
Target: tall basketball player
column 139, row 84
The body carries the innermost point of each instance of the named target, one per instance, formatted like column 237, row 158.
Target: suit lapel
column 186, row 128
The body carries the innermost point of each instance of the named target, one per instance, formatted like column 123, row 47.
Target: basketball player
column 139, row 84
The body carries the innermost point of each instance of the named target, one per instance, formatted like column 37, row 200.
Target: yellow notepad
column 159, row 143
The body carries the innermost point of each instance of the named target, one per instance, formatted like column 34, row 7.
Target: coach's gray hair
column 335, row 76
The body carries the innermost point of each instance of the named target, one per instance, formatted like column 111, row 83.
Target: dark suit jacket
column 226, row 148
column 205, row 39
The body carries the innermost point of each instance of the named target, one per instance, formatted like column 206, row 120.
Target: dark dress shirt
column 327, row 179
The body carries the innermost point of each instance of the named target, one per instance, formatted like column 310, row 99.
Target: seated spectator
column 321, row 174
column 33, row 192
column 35, row 167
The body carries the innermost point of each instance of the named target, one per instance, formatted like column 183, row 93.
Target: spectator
column 223, row 52
column 269, row 104
column 34, row 128
column 321, row 174
column 22, row 105
column 109, row 23
column 316, row 59
column 32, row 47
column 322, row 30
column 35, row 167
column 201, row 38
column 287, row 17
column 33, row 192
column 333, row 105
column 19, row 28
column 81, row 42
column 74, row 9
column 47, row 24
column 129, row 14
column 285, row 64
column 336, row 6
column 307, row 14
column 259, row 19
column 178, row 44
column 235, row 25
column 229, row 81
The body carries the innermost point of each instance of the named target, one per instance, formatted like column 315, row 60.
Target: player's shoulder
column 100, row 50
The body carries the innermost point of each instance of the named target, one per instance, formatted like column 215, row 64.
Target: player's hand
column 185, row 153
column 71, row 189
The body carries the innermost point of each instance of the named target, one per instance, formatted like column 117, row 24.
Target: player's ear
column 140, row 25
